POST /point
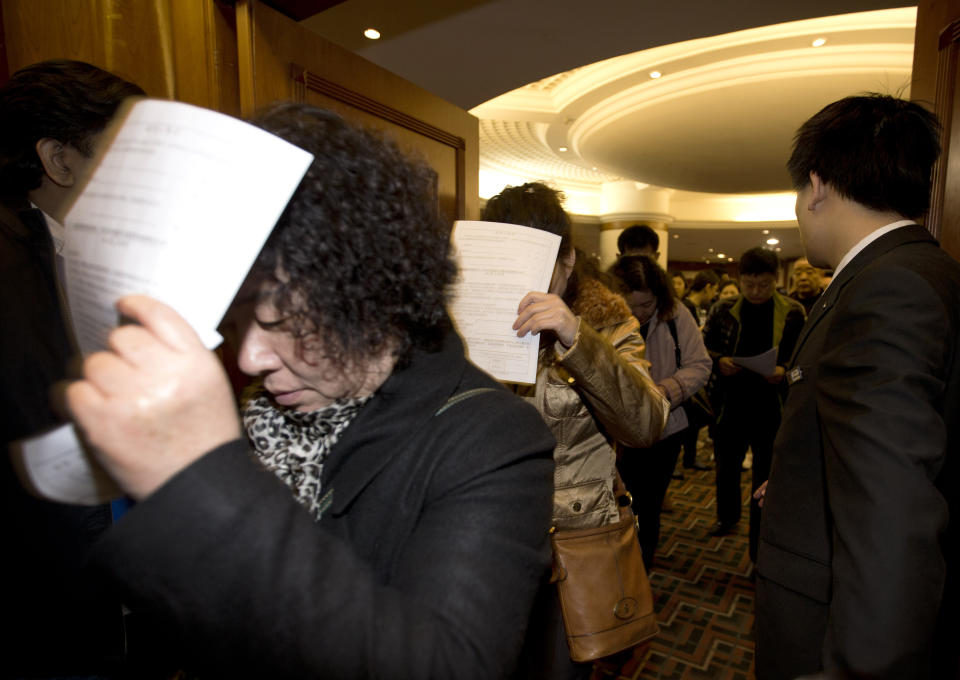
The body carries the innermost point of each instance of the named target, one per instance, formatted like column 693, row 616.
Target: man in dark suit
column 857, row 575
column 61, row 624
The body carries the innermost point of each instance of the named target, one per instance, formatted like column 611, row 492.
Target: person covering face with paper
column 387, row 441
column 592, row 388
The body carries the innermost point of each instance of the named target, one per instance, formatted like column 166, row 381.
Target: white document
column 178, row 207
column 764, row 364
column 499, row 264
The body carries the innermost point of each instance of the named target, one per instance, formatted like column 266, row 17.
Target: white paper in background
column 764, row 363
column 499, row 264
column 178, row 209
column 54, row 466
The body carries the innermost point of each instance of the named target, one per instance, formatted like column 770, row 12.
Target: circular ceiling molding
column 720, row 119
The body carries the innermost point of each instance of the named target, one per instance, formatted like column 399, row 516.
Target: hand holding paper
column 177, row 208
column 154, row 404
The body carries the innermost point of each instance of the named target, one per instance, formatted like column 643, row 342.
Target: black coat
column 857, row 563
column 59, row 623
column 424, row 564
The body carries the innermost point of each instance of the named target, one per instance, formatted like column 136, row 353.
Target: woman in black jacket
column 415, row 535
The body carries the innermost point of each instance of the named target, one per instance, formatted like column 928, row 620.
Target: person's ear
column 56, row 165
column 569, row 260
column 818, row 191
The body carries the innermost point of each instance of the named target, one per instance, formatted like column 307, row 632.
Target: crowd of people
column 374, row 505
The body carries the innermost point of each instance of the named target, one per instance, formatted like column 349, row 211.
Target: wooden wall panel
column 935, row 85
column 176, row 49
column 274, row 44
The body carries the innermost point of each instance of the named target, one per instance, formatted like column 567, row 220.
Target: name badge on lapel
column 794, row 375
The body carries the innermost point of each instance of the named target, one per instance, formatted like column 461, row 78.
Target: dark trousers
column 789, row 632
column 689, row 438
column 733, row 435
column 646, row 474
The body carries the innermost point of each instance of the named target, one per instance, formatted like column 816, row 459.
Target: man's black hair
column 874, row 149
column 759, row 261
column 638, row 237
column 703, row 279
column 69, row 101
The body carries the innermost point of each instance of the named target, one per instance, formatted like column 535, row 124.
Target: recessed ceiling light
column 766, row 231
column 730, row 259
column 709, row 250
column 372, row 33
column 676, row 236
column 562, row 149
column 778, row 249
column 819, row 42
column 721, row 255
column 772, row 241
column 655, row 74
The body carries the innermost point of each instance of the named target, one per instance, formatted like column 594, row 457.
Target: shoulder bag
column 604, row 591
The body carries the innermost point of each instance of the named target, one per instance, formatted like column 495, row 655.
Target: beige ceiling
column 738, row 78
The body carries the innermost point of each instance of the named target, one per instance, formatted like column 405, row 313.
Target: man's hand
column 546, row 312
column 777, row 376
column 156, row 402
column 760, row 493
column 727, row 367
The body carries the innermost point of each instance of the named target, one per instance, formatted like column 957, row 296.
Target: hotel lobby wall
column 237, row 57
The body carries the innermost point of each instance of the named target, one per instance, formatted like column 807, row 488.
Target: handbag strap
column 672, row 325
column 463, row 396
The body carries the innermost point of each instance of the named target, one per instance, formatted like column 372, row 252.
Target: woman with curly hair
column 420, row 487
column 680, row 366
column 592, row 388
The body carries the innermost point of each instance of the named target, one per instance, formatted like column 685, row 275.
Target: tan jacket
column 591, row 395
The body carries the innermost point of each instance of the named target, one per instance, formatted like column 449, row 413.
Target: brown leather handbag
column 604, row 590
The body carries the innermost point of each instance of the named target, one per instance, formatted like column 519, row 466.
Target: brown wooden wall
column 239, row 56
column 936, row 57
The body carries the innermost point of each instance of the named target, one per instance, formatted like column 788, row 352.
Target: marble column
column 625, row 203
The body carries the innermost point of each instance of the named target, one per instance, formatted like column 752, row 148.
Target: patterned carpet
column 703, row 592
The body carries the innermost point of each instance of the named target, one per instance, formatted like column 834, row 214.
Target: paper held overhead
column 499, row 264
column 179, row 204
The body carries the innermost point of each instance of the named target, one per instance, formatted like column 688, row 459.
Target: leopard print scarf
column 294, row 444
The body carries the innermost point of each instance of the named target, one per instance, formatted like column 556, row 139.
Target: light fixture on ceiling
column 766, row 231
column 772, row 241
column 676, row 236
column 729, row 259
column 562, row 149
column 721, row 255
column 778, row 249
column 372, row 33
column 655, row 74
column 819, row 42
column 709, row 250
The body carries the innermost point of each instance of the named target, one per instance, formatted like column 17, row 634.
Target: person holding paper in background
column 746, row 404
column 592, row 388
column 403, row 531
column 51, row 115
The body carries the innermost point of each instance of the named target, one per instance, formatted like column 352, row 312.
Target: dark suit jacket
column 857, row 563
column 59, row 623
column 424, row 564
